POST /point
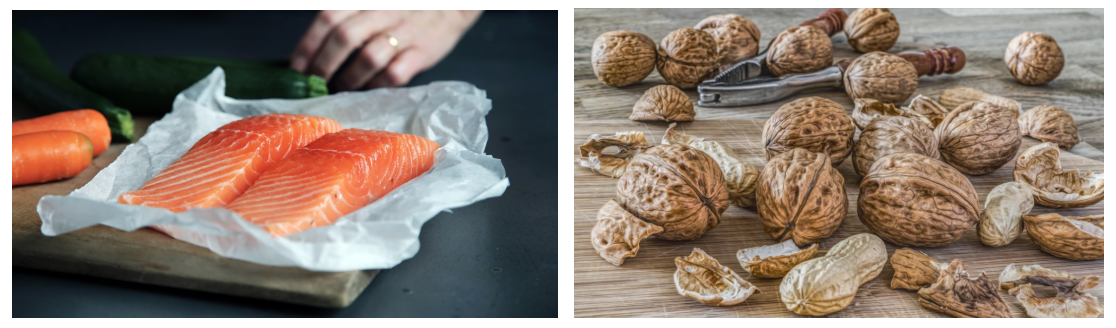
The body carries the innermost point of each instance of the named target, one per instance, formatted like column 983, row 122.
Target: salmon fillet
column 224, row 163
column 333, row 176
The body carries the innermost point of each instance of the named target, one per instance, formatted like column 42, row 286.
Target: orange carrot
column 87, row 121
column 49, row 155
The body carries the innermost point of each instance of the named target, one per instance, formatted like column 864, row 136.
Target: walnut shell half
column 1034, row 58
column 686, row 57
column 1009, row 278
column 774, row 261
column 664, row 103
column 618, row 233
column 622, row 58
column 872, row 29
column 1071, row 301
column 701, row 278
column 799, row 49
column 914, row 270
column 881, row 76
column 1039, row 168
column 676, row 187
column 913, row 200
column 801, row 197
column 1071, row 238
column 610, row 155
column 828, row 284
column 932, row 111
column 889, row 135
column 737, row 37
column 1050, row 124
column 816, row 124
column 1002, row 219
column 958, row 294
column 740, row 176
column 978, row 137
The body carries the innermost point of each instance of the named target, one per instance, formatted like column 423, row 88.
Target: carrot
column 49, row 155
column 89, row 122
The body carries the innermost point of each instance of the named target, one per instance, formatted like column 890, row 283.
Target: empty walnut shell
column 866, row 109
column 816, row 124
column 881, row 76
column 889, row 135
column 676, row 187
column 958, row 294
column 664, row 103
column 914, row 270
column 1014, row 276
column 1040, row 169
column 928, row 110
column 737, row 37
column 618, row 233
column 686, row 57
column 610, row 155
column 799, row 49
column 701, row 278
column 1072, row 299
column 740, row 176
column 828, row 284
column 1034, row 58
column 978, row 137
column 1069, row 238
column 909, row 199
column 622, row 58
column 801, row 197
column 774, row 261
column 1050, row 124
column 1002, row 219
column 872, row 29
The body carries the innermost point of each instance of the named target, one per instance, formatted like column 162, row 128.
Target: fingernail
column 299, row 64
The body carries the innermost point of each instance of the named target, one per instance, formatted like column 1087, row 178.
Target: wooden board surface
column 150, row 257
column 644, row 285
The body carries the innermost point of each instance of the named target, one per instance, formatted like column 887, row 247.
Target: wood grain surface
column 150, row 257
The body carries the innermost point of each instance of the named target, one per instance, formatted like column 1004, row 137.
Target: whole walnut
column 663, row 103
column 813, row 123
column 801, row 196
column 872, row 29
column 1050, row 124
column 686, row 57
column 737, row 37
column 800, row 49
column 675, row 187
column 1034, row 58
column 978, row 137
column 889, row 135
column 909, row 199
column 622, row 58
column 881, row 76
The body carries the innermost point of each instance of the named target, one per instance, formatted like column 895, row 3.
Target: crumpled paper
column 377, row 236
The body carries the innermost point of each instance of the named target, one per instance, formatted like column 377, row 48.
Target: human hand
column 422, row 39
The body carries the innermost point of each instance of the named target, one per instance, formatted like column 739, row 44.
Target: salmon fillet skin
column 226, row 162
column 331, row 177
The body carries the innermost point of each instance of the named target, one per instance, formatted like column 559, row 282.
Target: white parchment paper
column 377, row 236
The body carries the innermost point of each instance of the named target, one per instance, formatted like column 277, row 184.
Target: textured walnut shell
column 958, row 294
column 622, row 58
column 1034, row 58
column 740, row 176
column 828, row 284
column 800, row 49
column 1066, row 237
column 664, row 103
column 957, row 96
column 914, row 270
column 701, row 278
column 801, row 197
column 1040, row 169
column 1071, row 301
column 1002, row 219
column 928, row 110
column 737, row 37
column 978, row 137
column 1050, row 124
column 872, row 29
column 618, row 233
column 774, row 261
column 816, row 124
column 866, row 109
column 909, row 199
column 889, row 135
column 610, row 155
column 686, row 57
column 881, row 76
column 676, row 187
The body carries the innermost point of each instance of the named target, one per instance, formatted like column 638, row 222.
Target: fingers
column 351, row 34
column 308, row 46
column 371, row 60
column 404, row 67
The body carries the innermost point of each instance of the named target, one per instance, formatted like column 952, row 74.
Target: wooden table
column 643, row 285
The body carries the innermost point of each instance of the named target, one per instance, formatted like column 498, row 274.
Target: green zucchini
column 149, row 84
column 48, row 90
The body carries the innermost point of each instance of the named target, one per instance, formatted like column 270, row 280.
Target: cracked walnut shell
column 978, row 137
column 740, row 176
column 909, row 199
column 799, row 49
column 889, row 135
column 618, row 233
column 1002, row 219
column 664, row 103
column 622, row 58
column 676, row 187
column 816, row 124
column 1040, row 169
column 801, row 197
column 701, row 278
column 737, row 37
column 1034, row 58
column 610, row 155
column 774, row 261
column 959, row 294
column 1050, row 124
column 872, row 29
column 881, row 76
column 828, row 284
column 1071, row 300
column 686, row 57
column 1071, row 238
column 914, row 270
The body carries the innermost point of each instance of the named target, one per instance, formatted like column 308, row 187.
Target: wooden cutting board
column 150, row 257
column 644, row 285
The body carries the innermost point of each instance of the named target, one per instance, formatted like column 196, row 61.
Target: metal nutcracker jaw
column 762, row 91
column 745, row 70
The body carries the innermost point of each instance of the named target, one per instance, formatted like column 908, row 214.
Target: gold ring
column 392, row 41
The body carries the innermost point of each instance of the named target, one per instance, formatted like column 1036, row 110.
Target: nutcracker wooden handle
column 947, row 60
column 831, row 21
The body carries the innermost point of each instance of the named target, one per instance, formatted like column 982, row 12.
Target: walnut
column 914, row 270
column 676, row 187
column 740, row 176
column 774, row 261
column 955, row 97
column 622, row 58
column 978, row 137
column 872, row 29
column 610, row 155
column 1050, row 124
column 881, row 76
column 1071, row 300
column 958, row 294
column 1034, row 58
column 1039, row 168
column 813, row 123
column 1071, row 238
column 889, row 135
column 701, row 278
column 800, row 49
column 801, row 197
column 663, row 103
column 1002, row 219
column 618, row 233
column 737, row 37
column 686, row 57
column 913, row 200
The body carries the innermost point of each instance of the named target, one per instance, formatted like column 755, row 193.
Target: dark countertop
column 497, row 257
